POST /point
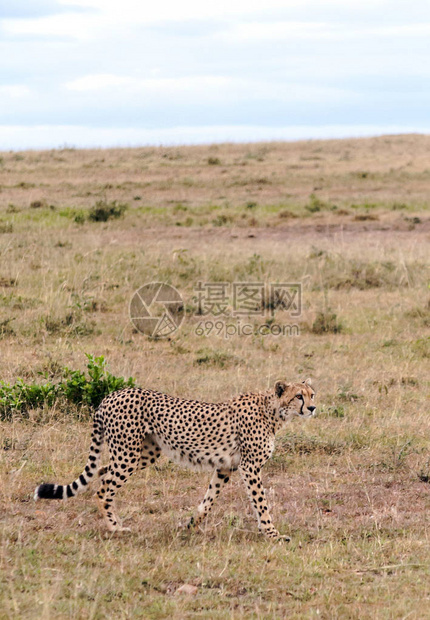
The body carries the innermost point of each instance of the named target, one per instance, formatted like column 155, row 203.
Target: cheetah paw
column 118, row 529
column 275, row 536
column 283, row 539
column 190, row 524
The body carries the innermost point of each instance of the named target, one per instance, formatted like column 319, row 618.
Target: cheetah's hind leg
column 121, row 467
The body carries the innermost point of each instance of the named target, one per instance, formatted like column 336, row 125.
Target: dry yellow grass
column 344, row 485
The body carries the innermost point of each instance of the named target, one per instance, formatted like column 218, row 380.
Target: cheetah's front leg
column 252, row 479
column 219, row 478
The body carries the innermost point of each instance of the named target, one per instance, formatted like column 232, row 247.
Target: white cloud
column 203, row 88
column 401, row 30
column 111, row 15
column 161, row 10
column 272, row 31
column 14, row 91
column 99, row 81
column 288, row 31
column 78, row 26
column 231, row 63
column 224, row 9
column 192, row 84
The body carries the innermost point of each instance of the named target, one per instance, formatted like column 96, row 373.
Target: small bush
column 8, row 282
column 75, row 387
column 104, row 211
column 25, row 185
column 82, row 391
column 422, row 313
column 326, row 322
column 424, row 474
column 421, row 347
column 6, row 227
column 315, row 204
column 220, row 359
column 342, row 212
column 303, row 444
column 79, row 218
column 285, row 214
column 365, row 205
column 71, row 323
column 187, row 222
column 179, row 207
column 37, row 204
column 6, row 328
column 363, row 275
column 214, row 161
column 222, row 220
column 364, row 217
column 336, row 411
column 345, row 394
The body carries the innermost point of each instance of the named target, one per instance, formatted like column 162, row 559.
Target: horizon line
column 44, row 137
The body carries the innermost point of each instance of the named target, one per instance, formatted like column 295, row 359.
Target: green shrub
column 5, row 227
column 299, row 443
column 77, row 387
column 37, row 204
column 214, row 161
column 6, row 328
column 420, row 312
column 326, row 322
column 421, row 347
column 363, row 275
column 346, row 394
column 315, row 204
column 335, row 411
column 222, row 220
column 80, row 390
column 104, row 211
column 219, row 359
column 79, row 218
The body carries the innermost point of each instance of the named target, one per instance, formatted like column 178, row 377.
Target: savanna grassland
column 349, row 220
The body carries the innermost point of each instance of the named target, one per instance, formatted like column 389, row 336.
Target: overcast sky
column 131, row 72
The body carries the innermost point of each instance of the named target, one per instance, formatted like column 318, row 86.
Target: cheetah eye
column 299, row 396
column 312, row 396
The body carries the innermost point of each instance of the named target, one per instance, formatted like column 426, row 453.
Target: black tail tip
column 48, row 491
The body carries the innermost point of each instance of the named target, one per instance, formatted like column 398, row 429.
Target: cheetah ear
column 308, row 382
column 280, row 387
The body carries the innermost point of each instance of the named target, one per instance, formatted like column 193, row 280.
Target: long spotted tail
column 59, row 491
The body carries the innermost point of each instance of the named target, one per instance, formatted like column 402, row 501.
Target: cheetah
column 140, row 424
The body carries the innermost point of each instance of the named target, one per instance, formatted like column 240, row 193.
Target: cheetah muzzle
column 140, row 424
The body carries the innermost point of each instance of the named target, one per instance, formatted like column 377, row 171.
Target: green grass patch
column 77, row 387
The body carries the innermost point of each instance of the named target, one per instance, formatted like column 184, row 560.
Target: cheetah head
column 295, row 399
